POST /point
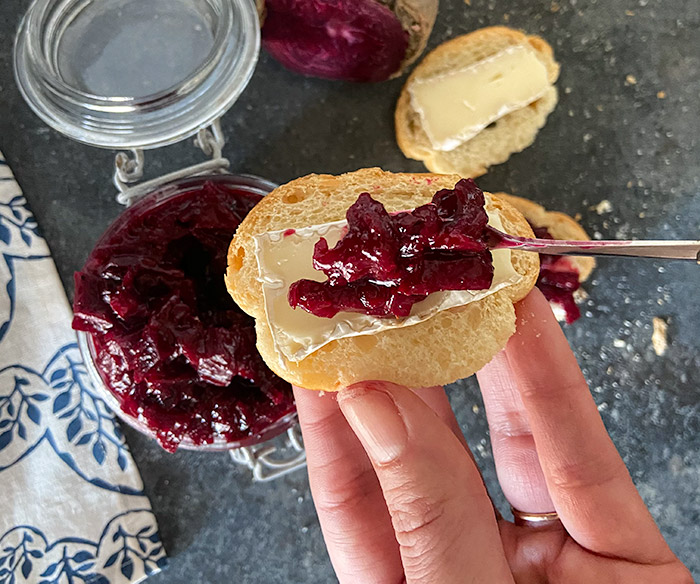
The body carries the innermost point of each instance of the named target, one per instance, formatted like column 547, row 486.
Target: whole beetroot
column 351, row 40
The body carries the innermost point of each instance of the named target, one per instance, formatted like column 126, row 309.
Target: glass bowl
column 184, row 187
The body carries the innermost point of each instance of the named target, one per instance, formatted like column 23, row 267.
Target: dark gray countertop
column 614, row 136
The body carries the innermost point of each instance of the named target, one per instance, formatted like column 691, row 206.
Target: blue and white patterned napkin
column 72, row 507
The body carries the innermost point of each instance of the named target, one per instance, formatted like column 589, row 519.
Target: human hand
column 400, row 499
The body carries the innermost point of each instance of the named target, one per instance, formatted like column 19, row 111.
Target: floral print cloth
column 72, row 507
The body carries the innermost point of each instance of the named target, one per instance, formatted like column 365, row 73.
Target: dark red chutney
column 169, row 342
column 558, row 279
column 385, row 263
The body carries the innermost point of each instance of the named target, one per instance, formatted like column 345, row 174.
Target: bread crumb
column 506, row 17
column 468, row 2
column 599, row 107
column 603, row 207
column 578, row 217
column 642, row 214
column 631, row 80
column 475, row 409
column 554, row 7
column 619, row 344
column 580, row 296
column 567, row 90
column 658, row 337
column 629, row 12
column 661, row 95
column 629, row 184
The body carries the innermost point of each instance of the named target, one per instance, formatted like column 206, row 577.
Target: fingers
column 517, row 465
column 586, row 478
column 441, row 513
column 349, row 502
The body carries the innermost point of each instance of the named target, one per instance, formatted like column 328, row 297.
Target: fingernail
column 376, row 421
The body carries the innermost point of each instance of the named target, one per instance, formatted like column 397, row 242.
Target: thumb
column 441, row 513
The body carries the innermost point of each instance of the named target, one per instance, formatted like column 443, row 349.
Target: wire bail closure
column 129, row 169
column 274, row 458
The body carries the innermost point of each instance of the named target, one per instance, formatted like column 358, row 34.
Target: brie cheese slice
column 455, row 106
column 286, row 256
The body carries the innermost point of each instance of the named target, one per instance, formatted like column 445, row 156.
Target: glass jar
column 138, row 74
column 133, row 249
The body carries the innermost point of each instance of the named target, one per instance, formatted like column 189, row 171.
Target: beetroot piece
column 558, row 279
column 384, row 264
column 351, row 40
column 168, row 340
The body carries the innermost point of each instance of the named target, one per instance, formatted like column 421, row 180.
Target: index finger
column 587, row 480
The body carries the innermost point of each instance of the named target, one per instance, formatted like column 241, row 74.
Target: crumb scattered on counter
column 468, row 2
column 580, row 296
column 658, row 337
column 631, row 80
column 603, row 207
column 554, row 7
column 661, row 95
column 619, row 344
column 629, row 12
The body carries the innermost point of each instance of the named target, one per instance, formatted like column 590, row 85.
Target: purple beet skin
column 351, row 40
column 385, row 263
column 169, row 342
column 558, row 280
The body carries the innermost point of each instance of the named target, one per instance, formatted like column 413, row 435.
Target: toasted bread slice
column 451, row 345
column 493, row 145
column 559, row 225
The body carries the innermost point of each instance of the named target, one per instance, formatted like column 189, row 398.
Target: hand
column 400, row 499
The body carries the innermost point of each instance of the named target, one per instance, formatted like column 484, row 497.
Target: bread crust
column 559, row 225
column 493, row 145
column 453, row 344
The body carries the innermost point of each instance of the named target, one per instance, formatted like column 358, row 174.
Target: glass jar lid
column 135, row 73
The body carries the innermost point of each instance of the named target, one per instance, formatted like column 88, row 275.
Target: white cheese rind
column 286, row 256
